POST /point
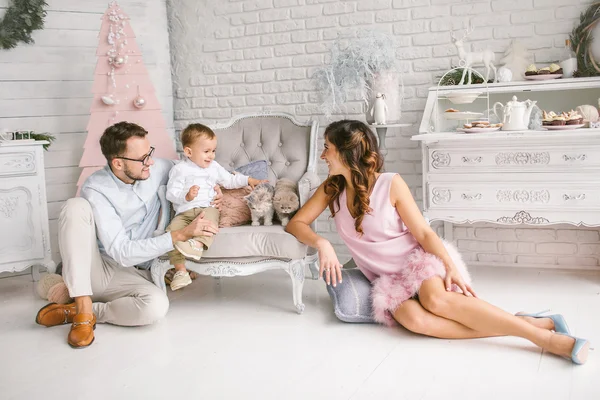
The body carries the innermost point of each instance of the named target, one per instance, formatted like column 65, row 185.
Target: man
column 106, row 240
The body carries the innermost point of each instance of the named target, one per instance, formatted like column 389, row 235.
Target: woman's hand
column 329, row 266
column 216, row 203
column 454, row 277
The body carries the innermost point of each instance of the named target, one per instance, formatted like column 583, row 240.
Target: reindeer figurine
column 467, row 59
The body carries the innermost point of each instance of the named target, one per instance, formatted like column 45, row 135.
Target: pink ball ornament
column 139, row 101
column 117, row 61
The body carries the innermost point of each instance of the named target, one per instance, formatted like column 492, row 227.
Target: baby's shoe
column 180, row 280
column 190, row 248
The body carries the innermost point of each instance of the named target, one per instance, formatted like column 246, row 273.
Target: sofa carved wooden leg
column 296, row 271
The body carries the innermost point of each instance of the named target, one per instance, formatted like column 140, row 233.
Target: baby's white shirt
column 186, row 174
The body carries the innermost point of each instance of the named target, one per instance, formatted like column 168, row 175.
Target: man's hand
column 216, row 203
column 191, row 195
column 198, row 227
column 253, row 182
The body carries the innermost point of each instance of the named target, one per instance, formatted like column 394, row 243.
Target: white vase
column 569, row 66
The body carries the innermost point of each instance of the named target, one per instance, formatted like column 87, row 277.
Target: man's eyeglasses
column 144, row 160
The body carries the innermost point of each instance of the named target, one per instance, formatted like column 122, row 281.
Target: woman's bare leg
column 483, row 317
column 417, row 319
column 412, row 316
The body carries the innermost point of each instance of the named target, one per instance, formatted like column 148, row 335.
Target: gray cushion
column 255, row 241
column 255, row 169
column 352, row 298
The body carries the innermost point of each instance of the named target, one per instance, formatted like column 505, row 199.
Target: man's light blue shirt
column 126, row 215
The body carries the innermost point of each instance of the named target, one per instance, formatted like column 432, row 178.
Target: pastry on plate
column 555, row 69
column 559, row 120
column 544, row 71
column 564, row 118
column 574, row 118
column 451, row 110
column 531, row 70
column 547, row 118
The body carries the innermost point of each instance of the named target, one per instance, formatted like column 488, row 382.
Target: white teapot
column 516, row 114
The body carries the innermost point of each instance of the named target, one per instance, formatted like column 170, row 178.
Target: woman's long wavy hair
column 358, row 150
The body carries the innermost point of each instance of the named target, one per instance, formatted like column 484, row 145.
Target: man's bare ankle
column 83, row 305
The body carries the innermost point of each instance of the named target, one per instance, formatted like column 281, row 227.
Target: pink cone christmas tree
column 122, row 92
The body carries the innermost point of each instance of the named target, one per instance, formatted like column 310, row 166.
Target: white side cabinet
column 24, row 233
column 517, row 177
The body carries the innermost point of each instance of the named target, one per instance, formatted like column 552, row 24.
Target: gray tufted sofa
column 290, row 149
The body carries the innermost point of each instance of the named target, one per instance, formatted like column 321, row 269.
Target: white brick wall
column 231, row 57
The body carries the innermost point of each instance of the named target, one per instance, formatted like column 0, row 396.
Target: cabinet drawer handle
column 580, row 157
column 471, row 160
column 471, row 197
column 574, row 197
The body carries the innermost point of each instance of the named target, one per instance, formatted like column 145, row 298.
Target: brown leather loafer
column 56, row 314
column 82, row 331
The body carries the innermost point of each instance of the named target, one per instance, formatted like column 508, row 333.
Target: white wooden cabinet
column 24, row 234
column 522, row 177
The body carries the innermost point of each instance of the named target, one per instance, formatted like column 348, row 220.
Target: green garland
column 21, row 18
column 19, row 135
column 454, row 78
column 581, row 41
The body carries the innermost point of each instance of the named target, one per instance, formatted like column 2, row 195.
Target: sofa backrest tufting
column 276, row 138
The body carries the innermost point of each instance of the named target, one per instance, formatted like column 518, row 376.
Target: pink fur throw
column 390, row 291
column 234, row 210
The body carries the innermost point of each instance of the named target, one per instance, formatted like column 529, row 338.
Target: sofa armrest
column 307, row 186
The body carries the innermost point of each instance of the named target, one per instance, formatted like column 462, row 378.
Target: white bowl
column 463, row 98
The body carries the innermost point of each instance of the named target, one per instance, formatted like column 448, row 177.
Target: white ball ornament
column 504, row 74
column 108, row 100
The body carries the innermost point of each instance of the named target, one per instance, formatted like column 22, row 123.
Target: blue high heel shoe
column 580, row 350
column 560, row 324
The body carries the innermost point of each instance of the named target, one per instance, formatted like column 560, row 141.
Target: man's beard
column 131, row 176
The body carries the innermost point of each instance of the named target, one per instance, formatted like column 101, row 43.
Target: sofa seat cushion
column 255, row 241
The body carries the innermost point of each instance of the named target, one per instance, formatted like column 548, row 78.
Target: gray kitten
column 285, row 200
column 260, row 203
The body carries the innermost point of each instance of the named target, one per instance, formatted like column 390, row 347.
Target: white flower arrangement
column 353, row 66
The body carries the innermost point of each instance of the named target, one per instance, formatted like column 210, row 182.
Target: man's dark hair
column 114, row 139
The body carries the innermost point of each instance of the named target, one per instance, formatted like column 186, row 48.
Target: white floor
column 240, row 339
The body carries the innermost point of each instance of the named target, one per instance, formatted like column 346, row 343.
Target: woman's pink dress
column 388, row 254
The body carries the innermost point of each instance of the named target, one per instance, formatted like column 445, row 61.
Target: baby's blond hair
column 195, row 131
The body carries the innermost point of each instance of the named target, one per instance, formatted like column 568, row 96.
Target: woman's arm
column 299, row 226
column 406, row 207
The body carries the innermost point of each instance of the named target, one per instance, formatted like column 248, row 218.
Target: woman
column 399, row 253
